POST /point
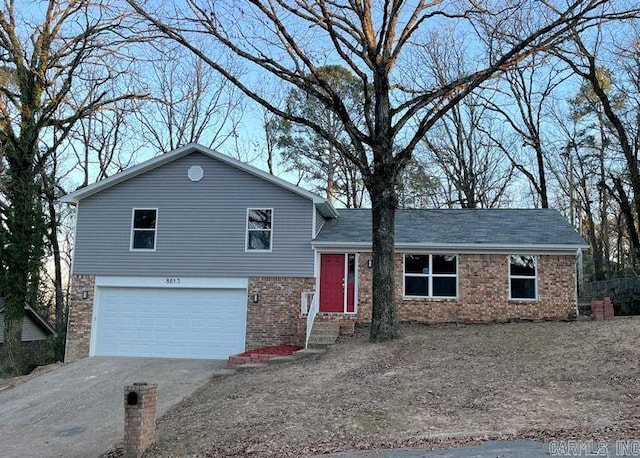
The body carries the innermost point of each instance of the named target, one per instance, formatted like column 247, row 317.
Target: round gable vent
column 195, row 173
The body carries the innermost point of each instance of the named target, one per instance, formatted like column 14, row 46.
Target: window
column 430, row 275
column 259, row 229
column 143, row 232
column 522, row 277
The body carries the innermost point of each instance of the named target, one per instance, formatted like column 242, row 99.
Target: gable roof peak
column 323, row 205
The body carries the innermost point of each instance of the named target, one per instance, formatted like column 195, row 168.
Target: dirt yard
column 434, row 386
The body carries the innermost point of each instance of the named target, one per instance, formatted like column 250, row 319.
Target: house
column 194, row 254
column 35, row 329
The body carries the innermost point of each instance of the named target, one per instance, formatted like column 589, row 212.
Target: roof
column 473, row 229
column 323, row 205
column 35, row 317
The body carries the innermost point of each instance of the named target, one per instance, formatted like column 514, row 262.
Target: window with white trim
column 259, row 229
column 143, row 229
column 523, row 278
column 431, row 275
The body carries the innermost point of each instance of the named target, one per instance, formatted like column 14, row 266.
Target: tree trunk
column 12, row 349
column 598, row 271
column 542, row 177
column 625, row 208
column 23, row 250
column 57, row 265
column 384, row 200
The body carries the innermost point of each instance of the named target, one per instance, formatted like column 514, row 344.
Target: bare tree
column 270, row 126
column 523, row 104
column 189, row 103
column 459, row 149
column 98, row 146
column 292, row 40
column 617, row 122
column 49, row 55
column 577, row 174
column 103, row 143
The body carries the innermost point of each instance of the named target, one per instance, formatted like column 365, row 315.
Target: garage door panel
column 180, row 323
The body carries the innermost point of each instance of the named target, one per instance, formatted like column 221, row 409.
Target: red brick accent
column 235, row 361
column 80, row 315
column 139, row 418
column 483, row 290
column 275, row 319
column 602, row 310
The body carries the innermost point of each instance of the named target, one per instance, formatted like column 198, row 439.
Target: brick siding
column 276, row 319
column 483, row 292
column 80, row 314
column 483, row 296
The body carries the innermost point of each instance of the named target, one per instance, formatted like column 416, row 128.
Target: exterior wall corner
column 275, row 319
column 80, row 316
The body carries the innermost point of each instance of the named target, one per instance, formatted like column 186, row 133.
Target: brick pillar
column 602, row 310
column 140, row 401
column 80, row 315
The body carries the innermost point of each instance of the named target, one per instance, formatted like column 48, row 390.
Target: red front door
column 332, row 283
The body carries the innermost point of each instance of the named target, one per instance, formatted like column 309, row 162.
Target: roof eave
column 76, row 196
column 44, row 324
column 326, row 209
column 94, row 188
column 461, row 247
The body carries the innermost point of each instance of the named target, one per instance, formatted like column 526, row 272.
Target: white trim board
column 172, row 282
column 462, row 248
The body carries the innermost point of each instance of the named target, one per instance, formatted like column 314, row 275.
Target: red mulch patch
column 279, row 350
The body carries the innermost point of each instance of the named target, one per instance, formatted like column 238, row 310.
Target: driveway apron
column 78, row 410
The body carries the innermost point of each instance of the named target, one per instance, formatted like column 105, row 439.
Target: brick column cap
column 141, row 387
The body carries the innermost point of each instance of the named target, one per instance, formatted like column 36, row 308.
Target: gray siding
column 30, row 331
column 319, row 223
column 201, row 225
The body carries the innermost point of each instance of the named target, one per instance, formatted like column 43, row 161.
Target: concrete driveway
column 78, row 410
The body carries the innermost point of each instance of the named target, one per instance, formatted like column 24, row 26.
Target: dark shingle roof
column 484, row 227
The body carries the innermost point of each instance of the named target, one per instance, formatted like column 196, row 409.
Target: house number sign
column 172, row 281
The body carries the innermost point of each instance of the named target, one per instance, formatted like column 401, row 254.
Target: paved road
column 493, row 449
column 78, row 409
column 510, row 449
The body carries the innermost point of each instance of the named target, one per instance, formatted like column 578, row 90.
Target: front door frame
column 344, row 279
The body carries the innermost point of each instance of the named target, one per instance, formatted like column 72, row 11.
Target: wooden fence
column 624, row 292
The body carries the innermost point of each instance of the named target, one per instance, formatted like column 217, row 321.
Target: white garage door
column 170, row 323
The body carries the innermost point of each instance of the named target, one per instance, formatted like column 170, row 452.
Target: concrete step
column 307, row 352
column 326, row 328
column 323, row 339
column 325, row 324
column 249, row 366
column 318, row 346
column 281, row 359
column 320, row 343
column 324, row 334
